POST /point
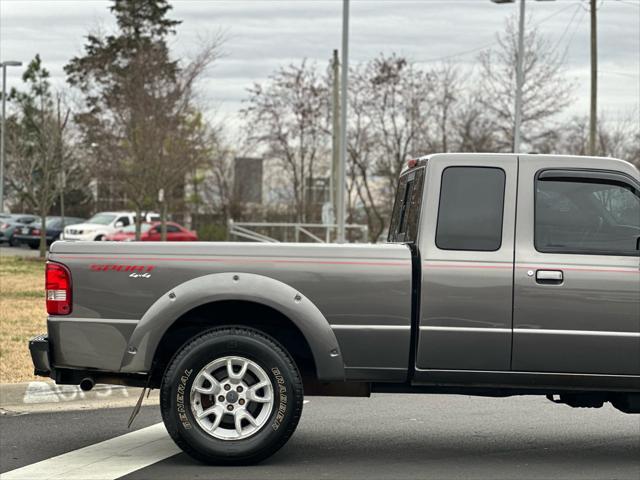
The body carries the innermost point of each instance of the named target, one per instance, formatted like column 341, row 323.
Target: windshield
column 132, row 228
column 102, row 219
column 53, row 222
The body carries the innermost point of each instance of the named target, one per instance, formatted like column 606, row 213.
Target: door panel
column 589, row 321
column 466, row 298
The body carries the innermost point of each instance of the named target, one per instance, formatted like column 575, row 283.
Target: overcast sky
column 262, row 35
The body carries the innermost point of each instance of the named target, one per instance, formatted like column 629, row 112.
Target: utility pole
column 593, row 114
column 342, row 170
column 335, row 137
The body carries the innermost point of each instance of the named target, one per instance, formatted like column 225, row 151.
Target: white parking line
column 106, row 460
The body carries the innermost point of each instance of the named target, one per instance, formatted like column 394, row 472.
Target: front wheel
column 232, row 395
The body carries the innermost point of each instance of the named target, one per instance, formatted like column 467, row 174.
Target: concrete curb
column 33, row 393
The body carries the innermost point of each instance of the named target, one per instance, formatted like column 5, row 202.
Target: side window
column 471, row 209
column 124, row 220
column 172, row 229
column 586, row 216
column 405, row 218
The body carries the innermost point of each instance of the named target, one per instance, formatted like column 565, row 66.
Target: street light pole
column 593, row 108
column 342, row 161
column 519, row 81
column 9, row 63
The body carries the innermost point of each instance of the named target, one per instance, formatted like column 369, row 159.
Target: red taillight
column 35, row 231
column 412, row 163
column 58, row 286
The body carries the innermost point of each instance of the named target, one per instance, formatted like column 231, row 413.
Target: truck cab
column 529, row 269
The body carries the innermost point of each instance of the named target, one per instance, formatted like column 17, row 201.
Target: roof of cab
column 599, row 162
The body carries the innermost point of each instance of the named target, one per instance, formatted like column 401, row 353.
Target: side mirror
column 119, row 225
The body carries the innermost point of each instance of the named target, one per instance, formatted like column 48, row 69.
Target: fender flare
column 215, row 287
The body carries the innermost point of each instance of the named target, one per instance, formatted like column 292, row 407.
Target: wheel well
column 233, row 312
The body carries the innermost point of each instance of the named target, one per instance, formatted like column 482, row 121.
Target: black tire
column 13, row 242
column 175, row 403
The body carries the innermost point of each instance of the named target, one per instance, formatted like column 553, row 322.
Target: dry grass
column 22, row 315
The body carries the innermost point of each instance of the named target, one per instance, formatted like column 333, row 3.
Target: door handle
column 549, row 276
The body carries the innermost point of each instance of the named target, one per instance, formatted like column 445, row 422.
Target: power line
column 489, row 44
column 631, row 4
column 573, row 34
column 566, row 29
column 624, row 74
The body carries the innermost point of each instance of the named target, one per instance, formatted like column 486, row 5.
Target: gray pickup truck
column 503, row 275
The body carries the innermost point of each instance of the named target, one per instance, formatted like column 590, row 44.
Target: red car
column 150, row 232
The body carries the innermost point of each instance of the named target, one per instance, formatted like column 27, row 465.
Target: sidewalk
column 46, row 395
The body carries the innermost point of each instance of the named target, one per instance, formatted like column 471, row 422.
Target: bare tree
column 545, row 93
column 619, row 139
column 473, row 127
column 287, row 118
column 390, row 106
column 447, row 92
column 38, row 143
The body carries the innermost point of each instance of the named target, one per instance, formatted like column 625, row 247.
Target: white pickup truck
column 103, row 224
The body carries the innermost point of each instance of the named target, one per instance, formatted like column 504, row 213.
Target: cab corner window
column 471, row 209
column 586, row 215
column 405, row 218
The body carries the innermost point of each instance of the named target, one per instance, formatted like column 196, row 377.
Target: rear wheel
column 231, row 396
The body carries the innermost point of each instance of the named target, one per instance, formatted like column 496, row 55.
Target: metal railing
column 292, row 232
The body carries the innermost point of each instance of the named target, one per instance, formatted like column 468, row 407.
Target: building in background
column 248, row 179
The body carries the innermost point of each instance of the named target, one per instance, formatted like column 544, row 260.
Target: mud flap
column 136, row 409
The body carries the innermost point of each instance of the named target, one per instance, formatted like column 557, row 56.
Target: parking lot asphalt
column 26, row 438
column 385, row 436
column 20, row 251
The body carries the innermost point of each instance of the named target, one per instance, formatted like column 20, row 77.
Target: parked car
column 504, row 274
column 151, row 232
column 103, row 224
column 30, row 234
column 9, row 222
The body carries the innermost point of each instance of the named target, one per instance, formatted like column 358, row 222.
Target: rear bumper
column 40, row 355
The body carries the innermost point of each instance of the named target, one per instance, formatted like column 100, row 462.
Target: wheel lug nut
column 227, row 387
column 241, row 402
column 230, row 407
column 239, row 389
column 221, row 398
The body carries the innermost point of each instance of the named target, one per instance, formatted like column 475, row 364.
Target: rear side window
column 406, row 209
column 471, row 209
column 124, row 220
column 586, row 216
